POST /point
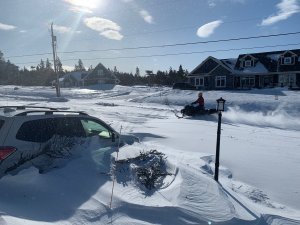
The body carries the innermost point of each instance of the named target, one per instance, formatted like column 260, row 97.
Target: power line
column 189, row 53
column 165, row 45
column 36, row 54
column 176, row 54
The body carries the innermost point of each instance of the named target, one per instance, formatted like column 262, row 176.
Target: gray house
column 257, row 70
column 73, row 79
column 98, row 76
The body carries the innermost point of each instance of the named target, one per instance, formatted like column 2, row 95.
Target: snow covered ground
column 259, row 161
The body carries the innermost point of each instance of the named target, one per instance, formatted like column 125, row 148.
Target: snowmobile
column 189, row 110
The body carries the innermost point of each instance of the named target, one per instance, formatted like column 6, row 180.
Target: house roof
column 264, row 54
column 247, row 55
column 203, row 68
column 229, row 63
column 269, row 61
column 76, row 75
column 105, row 75
column 258, row 68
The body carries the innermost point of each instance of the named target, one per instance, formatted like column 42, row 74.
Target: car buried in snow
column 29, row 133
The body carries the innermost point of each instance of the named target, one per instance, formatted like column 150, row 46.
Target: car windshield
column 93, row 128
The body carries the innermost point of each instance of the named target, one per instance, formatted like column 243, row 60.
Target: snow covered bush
column 148, row 169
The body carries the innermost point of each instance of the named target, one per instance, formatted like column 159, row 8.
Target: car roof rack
column 51, row 112
column 23, row 107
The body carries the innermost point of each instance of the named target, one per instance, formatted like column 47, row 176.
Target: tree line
column 43, row 74
column 166, row 78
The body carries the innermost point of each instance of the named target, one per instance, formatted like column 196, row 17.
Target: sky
column 136, row 33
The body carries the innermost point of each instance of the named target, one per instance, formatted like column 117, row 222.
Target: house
column 98, row 76
column 73, row 79
column 256, row 70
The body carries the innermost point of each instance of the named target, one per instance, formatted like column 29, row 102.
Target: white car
column 27, row 133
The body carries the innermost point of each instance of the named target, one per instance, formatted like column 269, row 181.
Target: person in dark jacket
column 199, row 103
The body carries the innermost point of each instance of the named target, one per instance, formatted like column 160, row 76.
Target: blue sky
column 85, row 26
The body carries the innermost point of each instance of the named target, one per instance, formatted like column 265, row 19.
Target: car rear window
column 1, row 123
column 44, row 129
column 37, row 130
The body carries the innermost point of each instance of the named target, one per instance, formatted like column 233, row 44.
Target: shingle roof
column 270, row 60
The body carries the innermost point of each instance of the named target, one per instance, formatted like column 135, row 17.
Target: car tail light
column 5, row 151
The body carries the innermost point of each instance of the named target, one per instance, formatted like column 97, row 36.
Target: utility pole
column 53, row 38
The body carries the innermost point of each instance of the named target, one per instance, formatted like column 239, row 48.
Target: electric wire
column 170, row 54
column 163, row 46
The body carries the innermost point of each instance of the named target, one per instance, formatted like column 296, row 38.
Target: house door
column 237, row 82
column 206, row 82
column 292, row 80
column 268, row 81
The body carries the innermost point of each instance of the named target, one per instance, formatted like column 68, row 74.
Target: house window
column 220, row 81
column 287, row 60
column 192, row 81
column 199, row 81
column 247, row 82
column 99, row 72
column 248, row 63
column 287, row 79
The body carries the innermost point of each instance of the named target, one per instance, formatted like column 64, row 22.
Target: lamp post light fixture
column 220, row 109
column 221, row 104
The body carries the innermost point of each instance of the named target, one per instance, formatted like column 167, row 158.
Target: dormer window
column 248, row 63
column 287, row 60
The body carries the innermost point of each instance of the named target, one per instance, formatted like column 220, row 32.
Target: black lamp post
column 220, row 109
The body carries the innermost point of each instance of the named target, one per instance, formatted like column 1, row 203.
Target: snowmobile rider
column 199, row 103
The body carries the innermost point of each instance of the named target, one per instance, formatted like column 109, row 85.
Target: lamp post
column 220, row 109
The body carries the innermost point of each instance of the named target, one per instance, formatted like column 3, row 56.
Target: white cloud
column 7, row 27
column 62, row 29
column 213, row 3
column 86, row 6
column 146, row 16
column 286, row 8
column 143, row 13
column 23, row 31
column 105, row 27
column 101, row 24
column 208, row 29
column 112, row 34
